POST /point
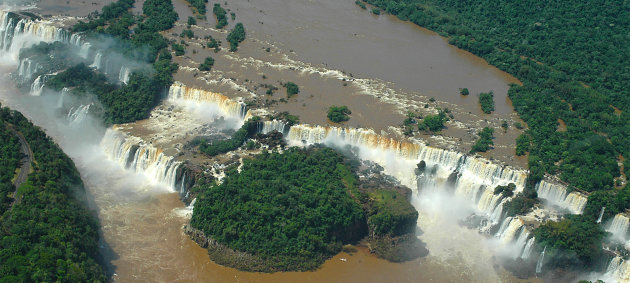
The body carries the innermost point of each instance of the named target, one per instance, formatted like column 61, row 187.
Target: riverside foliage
column 293, row 210
column 572, row 59
column 47, row 235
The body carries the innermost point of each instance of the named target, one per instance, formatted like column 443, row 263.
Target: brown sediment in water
column 74, row 8
column 375, row 104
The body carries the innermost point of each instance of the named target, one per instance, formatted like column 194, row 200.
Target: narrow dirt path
column 25, row 163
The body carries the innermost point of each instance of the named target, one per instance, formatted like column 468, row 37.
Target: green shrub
column 338, row 114
column 292, row 89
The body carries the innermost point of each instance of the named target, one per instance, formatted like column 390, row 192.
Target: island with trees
column 295, row 209
column 338, row 114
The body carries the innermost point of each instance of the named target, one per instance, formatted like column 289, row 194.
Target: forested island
column 295, row 209
column 572, row 59
column 47, row 233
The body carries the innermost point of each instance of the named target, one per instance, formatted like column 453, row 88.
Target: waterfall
column 182, row 188
column 539, row 263
column 269, row 126
column 123, row 75
column 76, row 39
column 618, row 270
column 13, row 27
column 98, row 60
column 62, row 95
column 38, row 85
column 601, row 214
column 26, row 69
column 84, row 51
column 619, row 227
column 521, row 242
column 557, row 195
column 178, row 92
column 508, row 233
column 527, row 251
column 134, row 154
column 78, row 114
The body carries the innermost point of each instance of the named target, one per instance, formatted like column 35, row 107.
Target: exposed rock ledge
column 226, row 256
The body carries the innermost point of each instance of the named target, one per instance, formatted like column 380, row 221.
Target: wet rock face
column 225, row 256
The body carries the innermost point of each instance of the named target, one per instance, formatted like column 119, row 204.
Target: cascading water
column 521, row 242
column 178, row 92
column 555, row 194
column 38, row 85
column 618, row 270
column 269, row 126
column 84, row 51
column 16, row 31
column 98, row 60
column 134, row 154
column 509, row 231
column 601, row 214
column 26, row 69
column 123, row 75
column 541, row 259
column 78, row 114
column 619, row 227
column 529, row 246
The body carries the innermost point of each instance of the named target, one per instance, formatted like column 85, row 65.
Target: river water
column 142, row 222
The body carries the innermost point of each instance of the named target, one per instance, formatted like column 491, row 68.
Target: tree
column 484, row 142
column 433, row 123
column 179, row 49
column 338, row 114
column 463, row 91
column 292, row 89
column 486, row 99
column 236, row 36
column 192, row 21
column 207, row 64
column 220, row 13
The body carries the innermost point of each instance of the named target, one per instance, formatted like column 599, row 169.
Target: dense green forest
column 10, row 156
column 572, row 59
column 135, row 99
column 573, row 241
column 47, row 235
column 291, row 209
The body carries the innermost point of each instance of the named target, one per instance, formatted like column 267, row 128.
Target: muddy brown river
column 142, row 223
